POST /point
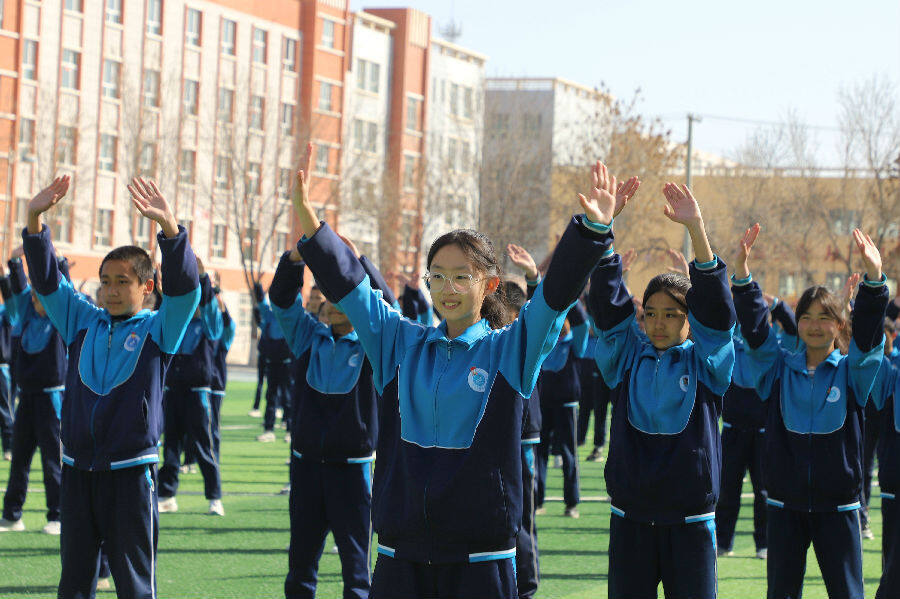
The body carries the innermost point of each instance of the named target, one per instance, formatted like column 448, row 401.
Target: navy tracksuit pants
column 6, row 408
column 278, row 391
column 335, row 497
column 118, row 509
column 260, row 376
column 215, row 402
column 742, row 450
column 890, row 548
column 36, row 426
column 403, row 579
column 681, row 556
column 870, row 443
column 189, row 412
column 836, row 538
column 528, row 569
column 558, row 429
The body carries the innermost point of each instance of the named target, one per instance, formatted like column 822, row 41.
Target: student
column 278, row 369
column 188, row 403
column 814, row 430
column 662, row 470
column 336, row 416
column 220, row 366
column 448, row 487
column 415, row 306
column 6, row 389
column 41, row 374
column 111, row 418
column 258, row 295
column 743, row 441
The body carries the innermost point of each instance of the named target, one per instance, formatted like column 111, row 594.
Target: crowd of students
column 463, row 398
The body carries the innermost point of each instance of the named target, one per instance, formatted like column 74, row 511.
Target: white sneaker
column 52, row 527
column 334, row 549
column 193, row 469
column 216, row 508
column 278, row 413
column 11, row 525
column 762, row 553
column 184, row 469
column 286, row 489
column 557, row 461
column 254, row 414
column 103, row 584
column 167, row 505
column 266, row 437
column 724, row 552
column 867, row 532
column 7, row 455
column 287, row 437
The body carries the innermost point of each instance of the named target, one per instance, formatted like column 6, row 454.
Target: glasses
column 459, row 283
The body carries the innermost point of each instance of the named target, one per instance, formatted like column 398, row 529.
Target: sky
column 744, row 60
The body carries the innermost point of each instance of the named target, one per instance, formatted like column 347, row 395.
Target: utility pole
column 686, row 243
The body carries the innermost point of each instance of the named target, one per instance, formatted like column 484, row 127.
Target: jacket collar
column 797, row 360
column 106, row 317
column 472, row 334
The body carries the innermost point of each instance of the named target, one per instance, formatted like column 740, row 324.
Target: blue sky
column 750, row 60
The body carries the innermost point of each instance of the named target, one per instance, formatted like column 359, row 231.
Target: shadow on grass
column 571, row 529
column 574, row 576
column 223, row 529
column 582, row 552
column 28, row 589
column 30, row 551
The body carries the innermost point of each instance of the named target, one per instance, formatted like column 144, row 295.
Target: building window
column 322, row 158
column 226, row 105
column 192, row 27
column 410, row 165
column 229, row 29
column 26, row 137
column 154, row 17
column 147, row 158
column 254, row 174
column 142, row 233
column 191, row 93
column 188, row 167
column 223, row 172
column 108, row 150
column 114, row 11
column 151, row 89
column 111, row 71
column 217, row 249
column 29, row 60
column 413, row 114
column 73, row 5
column 66, row 145
column 71, row 65
column 368, row 75
column 260, row 45
column 365, row 135
column 287, row 119
column 284, row 183
column 289, row 55
column 531, row 123
column 60, row 218
column 327, row 33
column 325, row 96
column 103, row 227
column 257, row 108
column 468, row 101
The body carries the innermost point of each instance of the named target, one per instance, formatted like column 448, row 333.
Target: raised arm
column 297, row 324
column 867, row 320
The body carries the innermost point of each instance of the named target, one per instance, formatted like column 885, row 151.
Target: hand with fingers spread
column 849, row 292
column 608, row 197
column 521, row 258
column 309, row 222
column 870, row 255
column 46, row 199
column 741, row 263
column 679, row 262
column 682, row 208
column 149, row 201
column 628, row 259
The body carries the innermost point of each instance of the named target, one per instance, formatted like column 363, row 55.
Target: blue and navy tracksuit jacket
column 559, row 382
column 884, row 395
column 334, row 398
column 415, row 306
column 448, row 485
column 41, row 363
column 193, row 365
column 222, row 346
column 665, row 451
column 112, row 416
column 272, row 343
column 814, row 431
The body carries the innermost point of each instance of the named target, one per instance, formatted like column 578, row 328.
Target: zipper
column 809, row 444
column 434, row 402
column 109, row 337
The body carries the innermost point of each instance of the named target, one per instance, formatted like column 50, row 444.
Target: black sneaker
column 595, row 456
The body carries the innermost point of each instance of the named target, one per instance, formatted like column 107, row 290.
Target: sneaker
column 724, row 552
column 103, row 584
column 286, row 489
column 540, row 511
column 572, row 512
column 254, row 414
column 11, row 525
column 7, row 455
column 762, row 553
column 184, row 469
column 334, row 549
column 278, row 413
column 167, row 505
column 595, row 456
column 266, row 437
column 557, row 461
column 287, row 437
column 193, row 469
column 216, row 508
column 52, row 528
column 867, row 532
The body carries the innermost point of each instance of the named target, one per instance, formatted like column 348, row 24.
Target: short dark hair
column 515, row 297
column 673, row 284
column 137, row 257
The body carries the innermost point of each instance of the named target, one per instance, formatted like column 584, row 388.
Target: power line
column 743, row 120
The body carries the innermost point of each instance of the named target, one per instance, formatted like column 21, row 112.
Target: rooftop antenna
column 452, row 30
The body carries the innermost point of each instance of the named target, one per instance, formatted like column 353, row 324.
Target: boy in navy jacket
column 220, row 366
column 6, row 390
column 41, row 373
column 278, row 370
column 188, row 403
column 336, row 426
column 112, row 415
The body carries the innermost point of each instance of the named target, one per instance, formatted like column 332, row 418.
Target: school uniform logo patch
column 131, row 342
column 683, row 382
column 353, row 362
column 478, row 379
column 834, row 394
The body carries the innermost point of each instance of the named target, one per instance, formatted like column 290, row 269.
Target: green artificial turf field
column 244, row 554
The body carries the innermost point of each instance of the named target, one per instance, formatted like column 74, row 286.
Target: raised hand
column 681, row 206
column 149, row 201
column 850, row 286
column 309, row 222
column 200, row 270
column 350, row 245
column 17, row 252
column 679, row 262
column 628, row 259
column 601, row 207
column 44, row 200
column 521, row 258
column 870, row 254
column 741, row 267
